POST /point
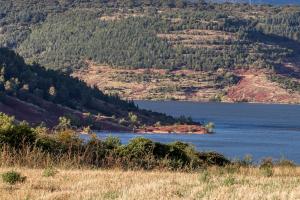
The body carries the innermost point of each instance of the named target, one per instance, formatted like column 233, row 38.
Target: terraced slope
column 163, row 49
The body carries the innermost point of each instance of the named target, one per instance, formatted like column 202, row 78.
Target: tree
column 52, row 92
column 63, row 124
column 133, row 118
column 11, row 86
column 6, row 122
column 2, row 75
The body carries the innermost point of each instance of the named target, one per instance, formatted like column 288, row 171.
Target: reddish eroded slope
column 255, row 87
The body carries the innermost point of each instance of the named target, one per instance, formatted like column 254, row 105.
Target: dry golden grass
column 115, row 184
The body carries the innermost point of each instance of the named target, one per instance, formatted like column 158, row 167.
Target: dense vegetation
column 63, row 145
column 22, row 145
column 33, row 82
column 18, row 79
column 283, row 24
column 65, row 35
column 66, row 40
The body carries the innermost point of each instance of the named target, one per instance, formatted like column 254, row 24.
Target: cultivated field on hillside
column 187, row 85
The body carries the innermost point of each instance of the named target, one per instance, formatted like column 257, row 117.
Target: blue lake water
column 257, row 129
column 274, row 2
column 278, row 2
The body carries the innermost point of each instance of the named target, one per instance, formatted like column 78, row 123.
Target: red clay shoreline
column 177, row 129
column 168, row 129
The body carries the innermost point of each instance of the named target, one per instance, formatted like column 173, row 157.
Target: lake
column 241, row 129
column 274, row 2
column 278, row 2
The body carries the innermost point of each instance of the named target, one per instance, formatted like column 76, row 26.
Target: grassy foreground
column 213, row 183
column 38, row 163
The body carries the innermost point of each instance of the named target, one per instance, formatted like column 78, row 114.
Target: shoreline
column 170, row 129
column 177, row 129
column 216, row 102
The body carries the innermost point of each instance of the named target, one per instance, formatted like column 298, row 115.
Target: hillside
column 162, row 50
column 35, row 94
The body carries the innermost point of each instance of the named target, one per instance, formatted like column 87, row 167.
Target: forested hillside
column 36, row 90
column 223, row 40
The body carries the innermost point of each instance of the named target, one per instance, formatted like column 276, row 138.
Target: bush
column 17, row 135
column 49, row 144
column 14, row 134
column 266, row 163
column 179, row 151
column 49, row 172
column 212, row 158
column 229, row 181
column 267, row 171
column 210, row 127
column 68, row 137
column 6, row 122
column 137, row 148
column 245, row 162
column 112, row 142
column 266, row 167
column 12, row 177
column 286, row 163
column 64, row 145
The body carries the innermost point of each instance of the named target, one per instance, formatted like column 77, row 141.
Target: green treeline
column 33, row 82
column 67, row 40
column 63, row 145
column 283, row 24
column 19, row 79
column 63, row 35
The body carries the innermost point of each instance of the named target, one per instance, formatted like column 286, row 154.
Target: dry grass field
column 214, row 183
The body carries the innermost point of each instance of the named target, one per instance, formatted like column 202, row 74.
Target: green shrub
column 267, row 171
column 50, row 144
column 68, row 137
column 266, row 163
column 229, row 181
column 213, row 158
column 246, row 161
column 6, row 122
column 266, row 167
column 137, row 148
column 178, row 151
column 210, row 127
column 112, row 142
column 12, row 177
column 286, row 163
column 49, row 172
column 139, row 153
column 17, row 135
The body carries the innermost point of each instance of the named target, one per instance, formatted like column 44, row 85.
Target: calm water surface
column 241, row 129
